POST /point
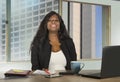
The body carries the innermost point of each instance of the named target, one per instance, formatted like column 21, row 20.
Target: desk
column 65, row 78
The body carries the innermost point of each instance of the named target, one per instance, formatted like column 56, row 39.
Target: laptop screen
column 110, row 66
column 110, row 61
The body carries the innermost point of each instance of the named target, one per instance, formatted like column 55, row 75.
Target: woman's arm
column 72, row 50
column 34, row 57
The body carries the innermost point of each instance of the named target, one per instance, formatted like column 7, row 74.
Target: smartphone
column 67, row 73
column 52, row 76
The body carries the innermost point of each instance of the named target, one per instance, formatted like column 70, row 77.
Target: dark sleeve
column 34, row 57
column 72, row 50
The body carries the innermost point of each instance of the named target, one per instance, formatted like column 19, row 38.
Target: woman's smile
column 53, row 25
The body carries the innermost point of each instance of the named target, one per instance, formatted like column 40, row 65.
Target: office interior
column 20, row 20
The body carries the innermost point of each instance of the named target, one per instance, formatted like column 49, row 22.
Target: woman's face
column 53, row 24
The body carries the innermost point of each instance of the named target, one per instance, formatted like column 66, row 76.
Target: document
column 42, row 72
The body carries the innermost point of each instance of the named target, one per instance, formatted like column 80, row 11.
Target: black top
column 40, row 54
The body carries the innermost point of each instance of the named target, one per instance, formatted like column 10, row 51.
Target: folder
column 17, row 72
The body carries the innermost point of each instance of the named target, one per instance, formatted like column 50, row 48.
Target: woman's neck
column 53, row 36
column 54, row 41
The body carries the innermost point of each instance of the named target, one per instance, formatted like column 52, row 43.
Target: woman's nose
column 53, row 21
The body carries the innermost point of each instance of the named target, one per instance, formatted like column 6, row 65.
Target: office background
column 26, row 16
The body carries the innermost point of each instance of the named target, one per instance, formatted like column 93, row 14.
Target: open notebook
column 110, row 66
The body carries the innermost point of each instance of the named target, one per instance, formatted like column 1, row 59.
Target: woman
column 52, row 48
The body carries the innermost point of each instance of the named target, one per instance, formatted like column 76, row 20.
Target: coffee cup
column 76, row 66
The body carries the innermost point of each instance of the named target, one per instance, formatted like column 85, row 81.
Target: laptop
column 110, row 66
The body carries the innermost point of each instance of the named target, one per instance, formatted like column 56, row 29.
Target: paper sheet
column 41, row 72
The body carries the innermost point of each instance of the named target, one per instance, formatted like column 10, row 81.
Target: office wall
column 115, row 17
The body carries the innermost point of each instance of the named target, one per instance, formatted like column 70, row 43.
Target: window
column 29, row 31
column 35, row 7
column 42, row 0
column 3, row 36
column 22, row 15
column 36, row 1
column 29, row 20
column 16, row 34
column 35, row 18
column 12, row 35
column 49, row 4
column 35, row 13
column 3, row 42
column 22, row 21
column 42, row 16
column 22, row 11
column 49, row 9
column 55, row 7
column 91, row 22
column 3, row 20
column 22, row 32
column 29, row 3
column 35, row 24
column 29, row 25
column 22, row 38
column 23, row 27
column 16, row 44
column 29, row 9
column 26, row 16
column 55, row 1
column 3, row 26
column 3, row 31
column 16, row 23
column 42, row 11
column 42, row 5
column 16, row 28
column 29, row 14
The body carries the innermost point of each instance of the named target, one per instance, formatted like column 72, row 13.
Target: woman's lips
column 53, row 25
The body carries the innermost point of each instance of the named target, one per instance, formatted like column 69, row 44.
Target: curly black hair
column 42, row 32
